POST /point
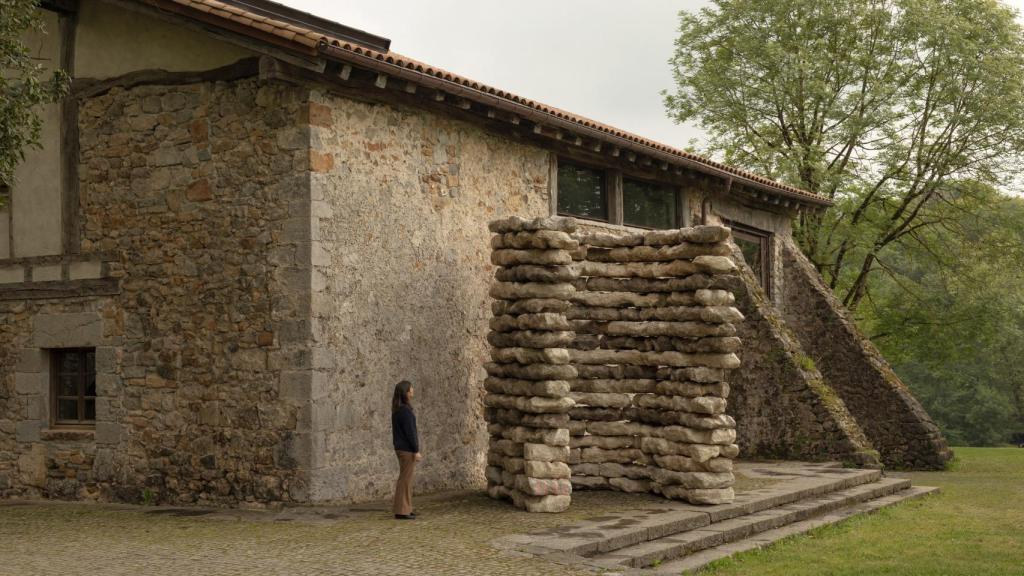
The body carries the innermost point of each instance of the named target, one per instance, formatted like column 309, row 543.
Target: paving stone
column 451, row 536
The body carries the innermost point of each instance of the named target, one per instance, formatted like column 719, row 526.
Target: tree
column 884, row 106
column 953, row 323
column 24, row 84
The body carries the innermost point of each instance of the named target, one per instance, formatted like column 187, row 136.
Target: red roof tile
column 310, row 41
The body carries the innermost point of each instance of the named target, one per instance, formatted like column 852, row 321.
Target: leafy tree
column 884, row 106
column 24, row 84
column 953, row 323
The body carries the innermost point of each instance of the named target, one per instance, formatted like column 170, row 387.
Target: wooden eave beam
column 544, row 124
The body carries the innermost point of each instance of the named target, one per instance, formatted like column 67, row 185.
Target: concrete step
column 604, row 535
column 698, row 560
column 725, row 531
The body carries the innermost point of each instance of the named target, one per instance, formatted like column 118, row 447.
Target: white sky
column 604, row 59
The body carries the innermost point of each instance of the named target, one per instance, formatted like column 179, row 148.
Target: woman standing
column 407, row 446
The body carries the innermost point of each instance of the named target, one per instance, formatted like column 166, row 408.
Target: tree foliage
column 24, row 84
column 951, row 321
column 908, row 115
column 883, row 106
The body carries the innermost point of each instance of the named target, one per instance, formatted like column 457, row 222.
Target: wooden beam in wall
column 63, row 6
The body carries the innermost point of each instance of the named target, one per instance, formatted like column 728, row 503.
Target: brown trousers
column 403, row 488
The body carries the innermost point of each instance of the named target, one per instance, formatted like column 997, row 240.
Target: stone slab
column 67, row 330
column 749, row 525
column 798, row 481
column 697, row 561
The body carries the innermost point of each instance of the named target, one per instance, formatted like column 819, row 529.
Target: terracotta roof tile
column 309, row 39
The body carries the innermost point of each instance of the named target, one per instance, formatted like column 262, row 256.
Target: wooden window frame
column 613, row 180
column 766, row 240
column 677, row 196
column 605, row 184
column 55, row 397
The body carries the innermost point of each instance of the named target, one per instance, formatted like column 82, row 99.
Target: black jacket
column 403, row 430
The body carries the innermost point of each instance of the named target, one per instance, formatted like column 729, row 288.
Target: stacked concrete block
column 654, row 342
column 527, row 384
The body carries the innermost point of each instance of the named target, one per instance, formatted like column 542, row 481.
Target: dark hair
column 401, row 397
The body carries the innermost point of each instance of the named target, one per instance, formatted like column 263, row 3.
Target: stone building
column 246, row 223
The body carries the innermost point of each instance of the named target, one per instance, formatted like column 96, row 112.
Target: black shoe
column 405, row 516
column 412, row 514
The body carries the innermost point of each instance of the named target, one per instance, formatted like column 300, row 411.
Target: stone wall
column 625, row 350
column 655, row 349
column 201, row 193
column 784, row 408
column 528, row 379
column 893, row 420
column 401, row 201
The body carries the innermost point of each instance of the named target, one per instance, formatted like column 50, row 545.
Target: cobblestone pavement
column 451, row 536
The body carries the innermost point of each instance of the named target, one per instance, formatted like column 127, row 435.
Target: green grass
column 974, row 527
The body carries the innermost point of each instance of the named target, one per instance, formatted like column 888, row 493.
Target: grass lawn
column 974, row 527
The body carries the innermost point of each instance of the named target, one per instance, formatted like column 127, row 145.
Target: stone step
column 725, row 531
column 605, row 535
column 698, row 560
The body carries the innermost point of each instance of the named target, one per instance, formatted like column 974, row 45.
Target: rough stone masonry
column 610, row 354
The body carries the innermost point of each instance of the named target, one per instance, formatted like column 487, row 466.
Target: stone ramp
column 675, row 536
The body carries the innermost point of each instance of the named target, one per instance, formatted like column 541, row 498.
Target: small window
column 756, row 248
column 648, row 205
column 74, row 386
column 582, row 192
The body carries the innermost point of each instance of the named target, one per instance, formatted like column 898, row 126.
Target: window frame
column 613, row 179
column 605, row 185
column 56, row 355
column 765, row 239
column 677, row 194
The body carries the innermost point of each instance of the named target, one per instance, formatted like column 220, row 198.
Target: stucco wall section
column 113, row 40
column 401, row 199
column 36, row 202
column 890, row 416
column 202, row 192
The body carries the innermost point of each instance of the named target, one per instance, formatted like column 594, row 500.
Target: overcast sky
column 604, row 59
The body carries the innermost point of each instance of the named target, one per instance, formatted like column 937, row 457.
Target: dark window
column 756, row 248
column 648, row 205
column 582, row 192
column 74, row 386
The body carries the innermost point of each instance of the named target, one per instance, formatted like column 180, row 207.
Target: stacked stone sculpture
column 528, row 378
column 655, row 340
column 610, row 363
